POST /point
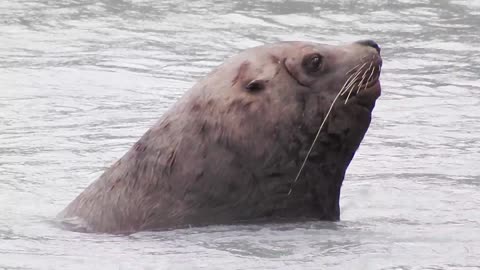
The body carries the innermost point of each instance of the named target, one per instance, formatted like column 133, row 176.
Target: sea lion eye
column 313, row 62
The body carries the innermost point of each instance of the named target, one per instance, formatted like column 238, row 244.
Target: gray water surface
column 81, row 81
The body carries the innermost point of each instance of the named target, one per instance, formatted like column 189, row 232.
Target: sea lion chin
column 230, row 149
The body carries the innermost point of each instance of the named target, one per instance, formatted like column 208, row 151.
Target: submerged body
column 230, row 149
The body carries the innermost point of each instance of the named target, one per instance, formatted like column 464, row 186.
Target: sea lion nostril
column 370, row 43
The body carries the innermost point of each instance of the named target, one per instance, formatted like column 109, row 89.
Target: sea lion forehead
column 265, row 62
column 294, row 50
column 282, row 49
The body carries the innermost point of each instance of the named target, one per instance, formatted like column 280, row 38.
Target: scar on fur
column 275, row 59
column 241, row 71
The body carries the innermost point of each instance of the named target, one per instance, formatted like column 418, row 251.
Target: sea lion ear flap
column 255, row 86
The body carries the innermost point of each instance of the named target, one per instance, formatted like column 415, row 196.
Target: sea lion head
column 268, row 103
column 300, row 79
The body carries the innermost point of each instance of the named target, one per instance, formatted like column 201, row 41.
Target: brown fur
column 223, row 154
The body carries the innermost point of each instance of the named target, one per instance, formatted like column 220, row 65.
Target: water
column 81, row 80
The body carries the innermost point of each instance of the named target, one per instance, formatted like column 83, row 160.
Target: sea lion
column 230, row 149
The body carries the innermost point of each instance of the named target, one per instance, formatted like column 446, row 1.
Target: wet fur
column 222, row 155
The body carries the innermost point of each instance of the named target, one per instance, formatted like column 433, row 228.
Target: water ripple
column 81, row 80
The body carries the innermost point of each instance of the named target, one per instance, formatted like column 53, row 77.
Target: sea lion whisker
column 341, row 92
column 349, row 93
column 358, row 73
column 313, row 143
column 352, row 69
column 352, row 81
column 358, row 84
column 369, row 77
column 364, row 76
column 345, row 84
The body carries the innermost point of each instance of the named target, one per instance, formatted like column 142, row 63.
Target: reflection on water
column 81, row 80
